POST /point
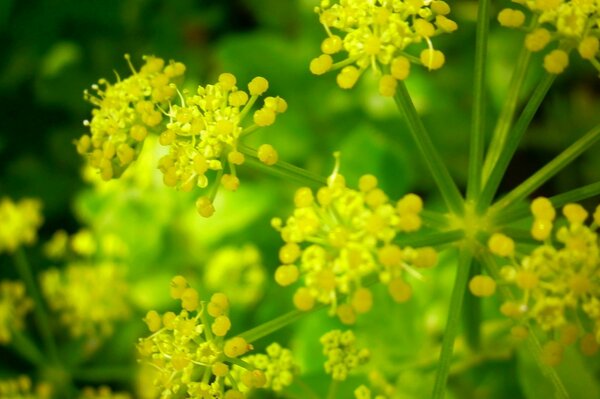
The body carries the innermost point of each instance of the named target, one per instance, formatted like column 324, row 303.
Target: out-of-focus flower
column 19, row 222
column 14, row 306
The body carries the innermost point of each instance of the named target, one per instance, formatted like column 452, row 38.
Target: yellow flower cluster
column 125, row 112
column 102, row 392
column 349, row 235
column 189, row 349
column 19, row 222
column 277, row 365
column 342, row 354
column 88, row 297
column 572, row 24
column 363, row 392
column 375, row 34
column 205, row 130
column 14, row 305
column 559, row 281
column 22, row 388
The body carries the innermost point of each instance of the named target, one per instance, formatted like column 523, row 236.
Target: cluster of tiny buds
column 14, row 306
column 572, row 24
column 554, row 282
column 375, row 34
column 343, row 356
column 337, row 236
column 21, row 387
column 19, row 222
column 190, row 351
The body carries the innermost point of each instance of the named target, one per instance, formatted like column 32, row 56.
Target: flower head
column 342, row 354
column 338, row 236
column 570, row 24
column 558, row 281
column 378, row 34
column 205, row 130
column 192, row 343
column 125, row 113
column 22, row 388
column 102, row 392
column 19, row 222
column 14, row 306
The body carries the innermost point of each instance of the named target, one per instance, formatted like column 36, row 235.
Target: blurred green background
column 52, row 50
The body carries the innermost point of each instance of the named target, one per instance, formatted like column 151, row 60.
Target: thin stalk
column 104, row 374
column 477, row 138
column 507, row 113
column 435, row 219
column 522, row 210
column 39, row 310
column 23, row 345
column 441, row 175
column 333, row 388
column 306, row 388
column 431, row 239
column 284, row 169
column 549, row 170
column 453, row 322
column 512, row 142
column 276, row 324
column 472, row 313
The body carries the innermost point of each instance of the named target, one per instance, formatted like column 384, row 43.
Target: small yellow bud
column 227, row 81
column 303, row 197
column 230, row 182
column 153, row 321
column 264, row 117
column 220, row 369
column 423, row 28
column 346, row 313
column 348, row 76
column 526, row 280
column 303, row 300
column 390, row 255
column 542, row 208
column 258, row 86
column 387, row 86
column 286, row 275
column 575, row 213
column 588, row 345
column 331, row 45
column 541, row 229
column 440, row 7
column 238, row 98
column 537, row 40
column 410, row 203
column 236, row 347
column 254, row 379
column 510, row 309
column 399, row 290
column 138, row 132
column 432, row 59
column 520, row 333
column 267, row 154
column 446, row 24
column 221, row 326
column 588, row 47
column 426, row 257
column 236, row 157
column 400, row 68
column 552, row 353
column 362, row 300
column 289, row 253
column 511, row 18
column 321, row 64
column 205, row 207
column 501, row 245
column 482, row 286
column 556, row 61
column 178, row 286
column 189, row 299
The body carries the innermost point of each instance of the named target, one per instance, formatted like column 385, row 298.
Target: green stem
column 27, row 349
column 333, row 388
column 104, row 374
column 507, row 114
column 472, row 313
column 435, row 219
column 442, row 177
column 522, row 211
column 453, row 322
column 430, row 239
column 310, row 394
column 276, row 324
column 477, row 138
column 512, row 142
column 549, row 170
column 39, row 309
column 283, row 169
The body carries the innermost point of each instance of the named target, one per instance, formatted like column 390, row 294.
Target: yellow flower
column 125, row 113
column 21, row 387
column 102, row 392
column 337, row 236
column 19, row 222
column 558, row 281
column 14, row 306
column 376, row 34
column 205, row 130
column 343, row 356
column 88, row 297
column 193, row 342
column 572, row 24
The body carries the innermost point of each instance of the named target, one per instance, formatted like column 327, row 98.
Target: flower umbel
column 189, row 349
column 204, row 133
column 125, row 113
column 378, row 34
column 277, row 364
column 342, row 354
column 14, row 305
column 339, row 236
column 571, row 24
column 22, row 388
column 19, row 222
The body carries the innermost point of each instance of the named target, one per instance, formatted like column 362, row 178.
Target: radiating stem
column 27, row 349
column 507, row 113
column 104, row 374
column 333, row 388
column 549, row 170
column 276, row 324
column 477, row 138
column 442, row 177
column 453, row 322
column 430, row 239
column 39, row 309
column 512, row 143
